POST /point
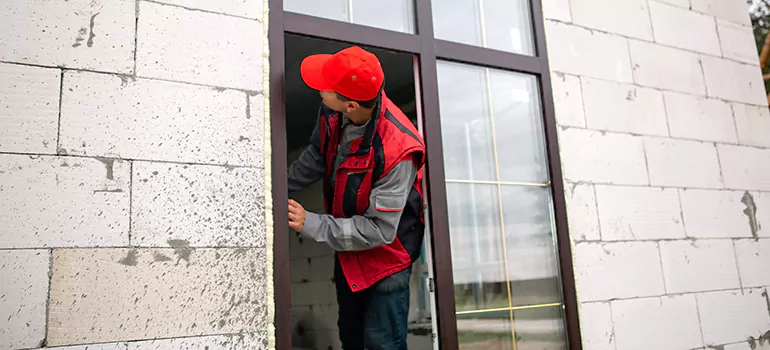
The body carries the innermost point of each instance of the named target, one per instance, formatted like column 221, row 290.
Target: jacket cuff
column 312, row 226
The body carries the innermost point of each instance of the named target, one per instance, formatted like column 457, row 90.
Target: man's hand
column 297, row 216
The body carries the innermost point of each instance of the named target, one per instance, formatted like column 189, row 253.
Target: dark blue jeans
column 375, row 318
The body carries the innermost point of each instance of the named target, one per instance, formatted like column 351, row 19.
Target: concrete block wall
column 132, row 182
column 664, row 131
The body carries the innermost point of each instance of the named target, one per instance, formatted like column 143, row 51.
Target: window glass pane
column 488, row 331
column 496, row 24
column 501, row 227
column 530, row 245
column 518, row 126
column 396, row 15
column 477, row 255
column 540, row 329
column 466, row 126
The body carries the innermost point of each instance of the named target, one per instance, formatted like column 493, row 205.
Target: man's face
column 330, row 99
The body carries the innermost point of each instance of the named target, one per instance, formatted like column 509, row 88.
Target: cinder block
column 745, row 167
column 322, row 268
column 300, row 270
column 734, row 81
column 699, row 266
column 657, row 323
column 568, row 100
column 242, row 8
column 762, row 204
column 29, row 108
column 312, row 293
column 753, row 125
column 666, row 68
column 748, row 345
column 680, row 3
column 23, row 296
column 106, row 115
column 627, row 18
column 580, row 51
column 198, row 47
column 700, row 118
column 63, row 202
column 557, row 9
column 737, row 42
column 732, row 10
column 753, row 261
column 639, row 213
column 104, row 346
column 582, row 213
column 684, row 29
column 597, row 332
column 682, row 163
column 606, row 271
column 257, row 341
column 207, row 206
column 83, row 34
column 101, row 295
column 714, row 214
column 602, row 157
column 624, row 108
column 733, row 316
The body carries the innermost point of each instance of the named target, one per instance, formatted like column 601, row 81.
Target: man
column 370, row 157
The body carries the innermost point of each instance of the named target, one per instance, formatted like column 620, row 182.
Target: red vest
column 389, row 139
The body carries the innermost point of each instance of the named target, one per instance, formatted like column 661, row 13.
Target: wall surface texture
column 132, row 188
column 665, row 142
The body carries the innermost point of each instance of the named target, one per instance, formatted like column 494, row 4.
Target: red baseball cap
column 353, row 72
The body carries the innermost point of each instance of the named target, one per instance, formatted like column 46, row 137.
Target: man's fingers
column 293, row 216
column 293, row 203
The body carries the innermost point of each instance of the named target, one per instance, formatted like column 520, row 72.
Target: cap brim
column 311, row 70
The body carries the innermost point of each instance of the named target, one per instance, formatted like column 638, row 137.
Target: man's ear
column 351, row 106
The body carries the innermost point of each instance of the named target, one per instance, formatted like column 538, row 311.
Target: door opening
column 313, row 296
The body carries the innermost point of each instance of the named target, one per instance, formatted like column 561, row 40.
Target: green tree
column 759, row 11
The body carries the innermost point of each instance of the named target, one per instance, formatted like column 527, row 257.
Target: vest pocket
column 389, row 203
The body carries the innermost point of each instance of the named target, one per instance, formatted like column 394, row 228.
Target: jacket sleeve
column 310, row 165
column 377, row 226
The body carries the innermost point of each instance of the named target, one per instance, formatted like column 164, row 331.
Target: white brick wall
column 669, row 204
column 734, row 81
column 29, row 97
column 114, row 138
column 111, row 116
column 652, row 213
column 745, row 167
column 714, row 214
column 86, row 201
column 698, row 118
column 602, row 157
column 753, row 259
column 682, row 163
column 84, row 34
column 606, row 271
column 23, row 297
column 586, row 52
column 627, row 17
column 733, row 316
column 737, row 42
column 568, row 100
column 597, row 333
column 678, row 27
column 625, row 108
column 753, row 124
column 178, row 44
column 697, row 266
column 584, row 225
column 657, row 323
column 666, row 68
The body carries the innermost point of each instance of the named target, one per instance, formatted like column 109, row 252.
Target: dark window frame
column 428, row 50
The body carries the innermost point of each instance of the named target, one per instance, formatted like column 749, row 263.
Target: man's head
column 348, row 81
